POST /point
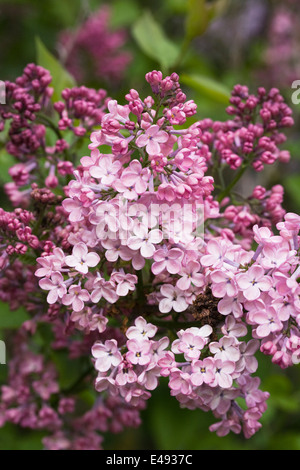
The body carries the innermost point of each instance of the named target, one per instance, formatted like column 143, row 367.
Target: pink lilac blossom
column 116, row 261
column 95, row 40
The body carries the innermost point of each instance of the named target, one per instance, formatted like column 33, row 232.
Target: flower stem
column 238, row 176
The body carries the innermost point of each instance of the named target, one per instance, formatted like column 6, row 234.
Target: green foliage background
column 169, row 36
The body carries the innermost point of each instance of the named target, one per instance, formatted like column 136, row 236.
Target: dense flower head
column 144, row 265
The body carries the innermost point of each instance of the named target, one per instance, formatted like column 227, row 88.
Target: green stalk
column 235, row 180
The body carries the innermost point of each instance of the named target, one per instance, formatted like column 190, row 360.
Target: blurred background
column 212, row 45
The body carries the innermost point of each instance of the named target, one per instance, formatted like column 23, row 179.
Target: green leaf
column 124, row 13
column 60, row 76
column 281, row 393
column 174, row 427
column 207, row 86
column 6, row 162
column 153, row 41
column 292, row 185
column 286, row 441
column 11, row 319
column 71, row 371
column 200, row 14
column 13, row 437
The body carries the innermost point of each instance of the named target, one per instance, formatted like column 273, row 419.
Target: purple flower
column 106, row 289
column 76, row 297
column 107, row 355
column 223, row 373
column 226, row 349
column 144, row 240
column 81, row 259
column 139, row 352
column 151, row 139
column 106, row 170
column 253, row 282
column 202, row 372
column 190, row 345
column 136, row 177
column 190, row 275
column 142, row 330
column 56, row 286
column 267, row 321
column 167, row 259
column 173, row 299
column 223, row 283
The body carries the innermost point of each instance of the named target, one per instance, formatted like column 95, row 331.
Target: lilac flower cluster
column 94, row 50
column 282, row 41
column 34, row 399
column 255, row 133
column 204, row 379
column 148, row 266
column 29, row 118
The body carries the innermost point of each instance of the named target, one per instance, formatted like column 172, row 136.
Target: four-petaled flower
column 142, row 330
column 173, row 299
column 165, row 259
column 145, row 240
column 106, row 355
column 139, row 352
column 55, row 285
column 203, row 371
column 81, row 259
column 151, row 139
column 136, row 177
column 253, row 282
column 76, row 297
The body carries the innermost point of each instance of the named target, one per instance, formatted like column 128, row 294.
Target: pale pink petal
column 218, row 276
column 256, row 272
column 263, row 330
column 103, row 364
column 140, row 186
column 155, row 236
column 252, row 293
column 162, row 137
column 71, row 261
column 225, row 381
column 52, row 296
column 152, row 130
column 167, row 290
column 153, row 147
column 265, row 283
column 110, row 295
column 174, row 253
column 80, row 250
column 134, row 243
column 57, row 277
column 77, row 304
column 46, row 283
column 243, row 281
column 67, row 299
column 180, row 304
column 96, row 172
column 92, row 259
column 158, row 267
column 84, row 295
column 173, row 266
column 129, row 179
column 184, row 283
column 147, row 249
column 165, row 305
column 69, row 204
column 142, row 140
column 135, row 166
